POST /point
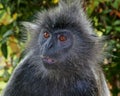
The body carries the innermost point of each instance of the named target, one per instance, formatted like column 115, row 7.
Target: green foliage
column 105, row 15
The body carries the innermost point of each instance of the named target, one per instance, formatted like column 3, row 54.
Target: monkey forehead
column 72, row 17
column 59, row 21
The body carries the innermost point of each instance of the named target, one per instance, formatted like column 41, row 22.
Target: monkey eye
column 62, row 38
column 46, row 35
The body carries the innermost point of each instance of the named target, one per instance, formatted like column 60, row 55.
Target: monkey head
column 63, row 38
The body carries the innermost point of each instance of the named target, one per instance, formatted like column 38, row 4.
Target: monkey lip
column 48, row 60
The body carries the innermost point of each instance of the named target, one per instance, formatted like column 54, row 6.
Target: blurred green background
column 105, row 17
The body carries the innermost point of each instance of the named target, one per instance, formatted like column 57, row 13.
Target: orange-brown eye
column 62, row 38
column 46, row 35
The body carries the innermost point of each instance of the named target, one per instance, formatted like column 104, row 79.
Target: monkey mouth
column 48, row 60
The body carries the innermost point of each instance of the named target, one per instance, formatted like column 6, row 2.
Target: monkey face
column 55, row 46
column 62, row 37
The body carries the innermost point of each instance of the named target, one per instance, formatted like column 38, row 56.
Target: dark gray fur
column 79, row 75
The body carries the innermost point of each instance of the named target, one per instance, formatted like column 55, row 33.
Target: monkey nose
column 48, row 60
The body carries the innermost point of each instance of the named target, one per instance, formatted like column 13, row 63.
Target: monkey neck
column 71, row 73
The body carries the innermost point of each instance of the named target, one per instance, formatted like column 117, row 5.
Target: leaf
column 1, row 13
column 13, row 45
column 116, row 4
column 5, row 36
column 108, row 29
column 3, row 40
column 55, row 1
column 6, row 75
column 15, row 15
column 8, row 33
column 4, row 1
column 117, row 22
column 117, row 28
column 4, row 50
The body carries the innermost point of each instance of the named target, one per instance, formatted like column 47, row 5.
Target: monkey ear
column 30, row 27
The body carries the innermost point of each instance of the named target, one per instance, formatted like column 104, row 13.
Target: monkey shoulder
column 22, row 81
